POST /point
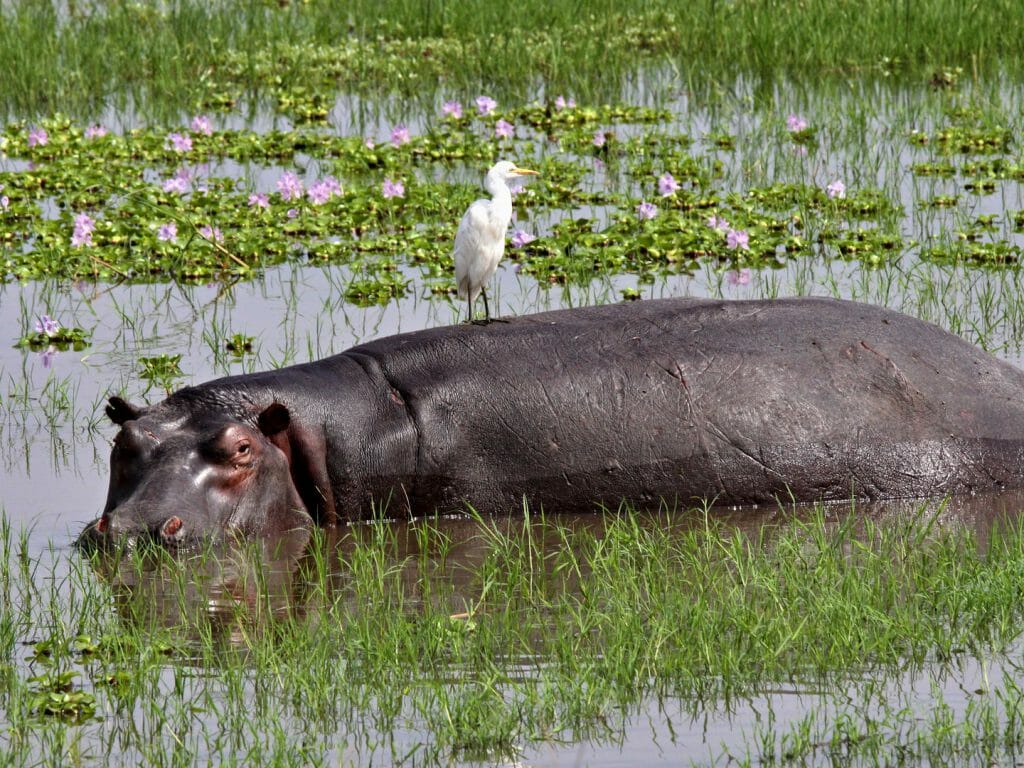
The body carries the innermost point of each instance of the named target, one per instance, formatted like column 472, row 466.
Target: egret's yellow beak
column 524, row 172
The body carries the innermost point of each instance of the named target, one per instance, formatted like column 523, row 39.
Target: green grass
column 167, row 57
column 471, row 641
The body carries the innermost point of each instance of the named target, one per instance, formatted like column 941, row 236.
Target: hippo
column 668, row 401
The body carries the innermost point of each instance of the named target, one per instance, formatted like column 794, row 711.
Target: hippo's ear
column 274, row 419
column 120, row 410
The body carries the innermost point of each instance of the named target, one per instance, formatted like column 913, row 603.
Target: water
column 54, row 439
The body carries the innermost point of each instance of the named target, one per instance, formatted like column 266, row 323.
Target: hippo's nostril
column 171, row 526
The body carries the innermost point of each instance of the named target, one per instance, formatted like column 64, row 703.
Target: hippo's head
column 178, row 475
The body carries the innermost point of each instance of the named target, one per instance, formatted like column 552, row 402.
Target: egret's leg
column 469, row 307
column 487, row 310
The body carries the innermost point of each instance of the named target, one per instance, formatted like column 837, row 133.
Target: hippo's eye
column 243, row 448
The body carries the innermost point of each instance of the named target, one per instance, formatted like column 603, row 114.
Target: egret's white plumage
column 480, row 241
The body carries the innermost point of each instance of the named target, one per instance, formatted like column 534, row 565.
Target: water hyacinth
column 737, row 239
column 521, row 237
column 38, row 137
column 323, row 190
column 485, row 105
column 47, row 325
column 392, row 189
column 836, row 190
column 84, row 227
column 179, row 142
column 400, row 135
column 562, row 103
column 5, row 201
column 290, row 186
column 259, row 200
column 718, row 223
column 796, row 124
column 600, row 138
column 452, row 109
column 504, row 129
column 167, row 233
column 95, row 131
column 667, row 185
column 213, row 234
column 202, row 124
column 646, row 211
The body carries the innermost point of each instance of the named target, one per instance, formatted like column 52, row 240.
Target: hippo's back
column 682, row 398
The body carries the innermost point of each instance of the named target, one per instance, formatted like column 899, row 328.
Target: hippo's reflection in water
column 438, row 565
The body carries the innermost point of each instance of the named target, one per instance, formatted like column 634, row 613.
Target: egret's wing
column 478, row 246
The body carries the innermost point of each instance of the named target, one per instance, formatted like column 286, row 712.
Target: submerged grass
column 173, row 56
column 465, row 641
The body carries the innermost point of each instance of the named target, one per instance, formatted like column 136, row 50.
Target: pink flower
column 737, row 239
column 667, row 185
column 399, row 135
column 452, row 109
column 718, row 223
column 646, row 211
column 370, row 143
column 290, row 186
column 179, row 182
column 212, row 234
column 836, row 189
column 561, row 103
column 82, row 234
column 320, row 192
column 167, row 233
column 796, row 124
column 504, row 129
column 179, row 142
column 521, row 237
column 5, row 201
column 485, row 105
column 259, row 200
column 292, row 213
column 38, row 137
column 732, row 277
column 600, row 138
column 392, row 189
column 201, row 124
column 47, row 325
column 95, row 131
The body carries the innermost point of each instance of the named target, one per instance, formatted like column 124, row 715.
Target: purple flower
column 212, row 234
column 5, row 201
column 667, row 185
column 737, row 239
column 561, row 103
column 452, row 109
column 600, row 138
column 399, row 135
column 485, row 105
column 201, row 124
column 732, row 277
column 799, row 150
column 95, row 131
column 259, row 200
column 47, row 355
column 38, row 137
column 836, row 189
column 393, row 188
column 370, row 143
column 179, row 142
column 646, row 211
column 292, row 213
column 504, row 129
column 47, row 325
column 290, row 186
column 332, row 185
column 318, row 193
column 84, row 227
column 521, row 237
column 177, row 184
column 718, row 223
column 796, row 124
column 167, row 233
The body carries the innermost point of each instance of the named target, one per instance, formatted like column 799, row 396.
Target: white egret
column 480, row 241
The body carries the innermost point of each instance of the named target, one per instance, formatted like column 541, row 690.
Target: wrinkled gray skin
column 737, row 402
